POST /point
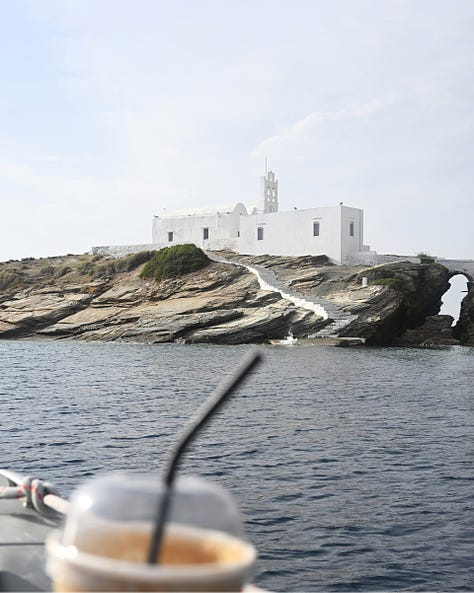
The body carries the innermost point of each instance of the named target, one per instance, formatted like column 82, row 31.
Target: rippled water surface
column 353, row 467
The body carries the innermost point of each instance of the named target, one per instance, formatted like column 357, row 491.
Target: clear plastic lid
column 130, row 498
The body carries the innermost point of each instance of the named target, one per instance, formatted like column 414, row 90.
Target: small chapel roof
column 221, row 209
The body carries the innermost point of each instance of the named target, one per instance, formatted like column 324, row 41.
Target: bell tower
column 268, row 201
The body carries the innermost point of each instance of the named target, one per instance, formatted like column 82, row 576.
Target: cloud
column 297, row 135
column 126, row 110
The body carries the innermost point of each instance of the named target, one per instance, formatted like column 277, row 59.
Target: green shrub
column 104, row 270
column 425, row 258
column 393, row 282
column 87, row 267
column 61, row 271
column 175, row 261
column 128, row 263
column 132, row 261
column 10, row 277
column 47, row 270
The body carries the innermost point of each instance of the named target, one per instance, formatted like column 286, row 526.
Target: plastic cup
column 193, row 560
column 106, row 538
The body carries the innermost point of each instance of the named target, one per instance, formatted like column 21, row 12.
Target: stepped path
column 325, row 309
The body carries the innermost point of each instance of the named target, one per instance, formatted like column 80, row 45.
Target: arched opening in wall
column 453, row 297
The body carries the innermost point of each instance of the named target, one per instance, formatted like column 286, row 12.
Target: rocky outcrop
column 85, row 298
column 396, row 297
column 436, row 331
column 411, row 293
column 219, row 304
column 30, row 310
column 464, row 330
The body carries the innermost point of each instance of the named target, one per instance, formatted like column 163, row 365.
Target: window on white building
column 260, row 233
column 315, row 229
column 351, row 229
column 170, row 237
column 205, row 233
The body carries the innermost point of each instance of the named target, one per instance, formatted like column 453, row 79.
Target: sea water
column 353, row 467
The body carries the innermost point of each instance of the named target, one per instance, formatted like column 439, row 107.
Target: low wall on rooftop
column 121, row 250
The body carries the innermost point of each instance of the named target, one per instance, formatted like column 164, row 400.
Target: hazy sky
column 111, row 109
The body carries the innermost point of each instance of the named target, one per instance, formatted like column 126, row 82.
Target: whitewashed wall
column 284, row 233
column 223, row 229
column 351, row 245
column 291, row 233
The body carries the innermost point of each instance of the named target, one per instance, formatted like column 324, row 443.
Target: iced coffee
column 105, row 541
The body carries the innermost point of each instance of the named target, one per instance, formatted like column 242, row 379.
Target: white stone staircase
column 325, row 309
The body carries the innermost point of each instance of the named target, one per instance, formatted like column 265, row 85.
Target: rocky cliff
column 219, row 304
column 464, row 330
column 412, row 293
column 398, row 297
column 97, row 298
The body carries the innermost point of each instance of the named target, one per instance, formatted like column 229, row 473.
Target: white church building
column 335, row 231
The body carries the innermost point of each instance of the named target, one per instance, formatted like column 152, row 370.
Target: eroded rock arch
column 464, row 328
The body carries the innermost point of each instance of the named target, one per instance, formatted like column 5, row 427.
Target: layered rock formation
column 437, row 330
column 464, row 330
column 412, row 292
column 398, row 296
column 219, row 304
column 84, row 297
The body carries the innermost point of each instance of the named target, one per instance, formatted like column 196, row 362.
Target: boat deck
column 22, row 555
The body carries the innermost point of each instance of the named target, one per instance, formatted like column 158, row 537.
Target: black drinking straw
column 200, row 418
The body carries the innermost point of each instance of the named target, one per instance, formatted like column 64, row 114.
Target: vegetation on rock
column 98, row 297
column 171, row 262
column 425, row 258
column 121, row 264
column 15, row 274
column 10, row 277
column 392, row 282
